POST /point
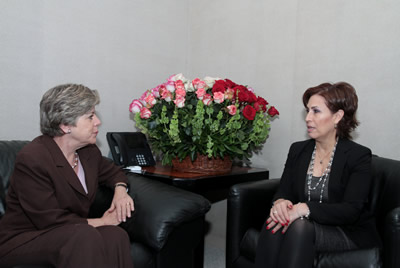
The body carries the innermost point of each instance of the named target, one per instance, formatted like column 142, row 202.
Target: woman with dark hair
column 321, row 204
column 53, row 185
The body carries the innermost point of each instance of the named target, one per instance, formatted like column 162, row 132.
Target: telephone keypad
column 141, row 160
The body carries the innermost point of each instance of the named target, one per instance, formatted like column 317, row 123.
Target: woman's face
column 86, row 129
column 320, row 120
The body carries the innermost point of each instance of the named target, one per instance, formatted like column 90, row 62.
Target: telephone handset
column 130, row 149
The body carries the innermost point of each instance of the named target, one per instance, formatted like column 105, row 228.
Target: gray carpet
column 214, row 242
column 214, row 252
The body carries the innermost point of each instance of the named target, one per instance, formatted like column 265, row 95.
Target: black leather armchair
column 167, row 229
column 249, row 203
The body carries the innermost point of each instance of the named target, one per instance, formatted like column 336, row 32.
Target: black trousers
column 75, row 245
column 294, row 249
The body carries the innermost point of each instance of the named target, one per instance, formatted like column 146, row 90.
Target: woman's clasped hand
column 283, row 213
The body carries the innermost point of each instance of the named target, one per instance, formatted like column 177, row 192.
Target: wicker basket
column 203, row 165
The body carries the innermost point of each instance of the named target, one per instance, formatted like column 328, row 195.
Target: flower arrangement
column 214, row 117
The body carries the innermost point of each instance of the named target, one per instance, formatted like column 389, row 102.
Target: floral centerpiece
column 213, row 117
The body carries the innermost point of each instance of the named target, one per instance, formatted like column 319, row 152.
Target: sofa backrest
column 385, row 192
column 8, row 153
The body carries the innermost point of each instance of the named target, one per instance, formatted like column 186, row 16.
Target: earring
column 335, row 126
column 69, row 131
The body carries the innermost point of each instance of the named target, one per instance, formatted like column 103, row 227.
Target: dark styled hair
column 338, row 96
column 63, row 104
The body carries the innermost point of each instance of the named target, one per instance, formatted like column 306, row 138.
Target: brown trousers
column 76, row 245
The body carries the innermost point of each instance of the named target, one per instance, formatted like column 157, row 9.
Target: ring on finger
column 275, row 212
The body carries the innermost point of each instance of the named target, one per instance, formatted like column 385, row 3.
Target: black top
column 348, row 189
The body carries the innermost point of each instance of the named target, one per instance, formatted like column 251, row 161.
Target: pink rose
column 144, row 95
column 200, row 93
column 232, row 109
column 219, row 97
column 145, row 113
column 172, row 77
column 229, row 93
column 202, row 84
column 170, row 86
column 179, row 102
column 161, row 88
column 166, row 95
column 156, row 91
column 135, row 106
column 150, row 100
column 195, row 82
column 199, row 84
column 181, row 92
column 179, row 85
column 207, row 99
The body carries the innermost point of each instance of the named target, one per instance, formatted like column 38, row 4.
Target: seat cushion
column 365, row 258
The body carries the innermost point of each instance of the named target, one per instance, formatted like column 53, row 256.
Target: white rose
column 210, row 80
column 189, row 87
column 177, row 77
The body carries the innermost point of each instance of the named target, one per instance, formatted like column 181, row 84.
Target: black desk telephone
column 130, row 149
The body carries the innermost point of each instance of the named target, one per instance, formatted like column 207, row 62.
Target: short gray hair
column 63, row 104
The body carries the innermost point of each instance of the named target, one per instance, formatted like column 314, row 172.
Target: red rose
column 249, row 112
column 252, row 97
column 272, row 111
column 243, row 96
column 262, row 103
column 242, row 93
column 230, row 84
column 219, row 86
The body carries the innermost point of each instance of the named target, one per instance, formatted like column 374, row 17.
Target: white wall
column 283, row 47
column 280, row 48
column 120, row 48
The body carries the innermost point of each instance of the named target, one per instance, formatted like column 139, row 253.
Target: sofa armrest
column 159, row 208
column 247, row 206
column 392, row 238
column 8, row 153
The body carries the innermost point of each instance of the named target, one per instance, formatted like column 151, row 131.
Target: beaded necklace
column 324, row 176
column 76, row 161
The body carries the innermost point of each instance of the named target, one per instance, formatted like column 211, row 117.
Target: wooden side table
column 212, row 186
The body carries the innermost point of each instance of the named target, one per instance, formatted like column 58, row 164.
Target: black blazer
column 348, row 189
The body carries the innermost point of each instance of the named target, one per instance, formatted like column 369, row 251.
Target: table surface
column 168, row 172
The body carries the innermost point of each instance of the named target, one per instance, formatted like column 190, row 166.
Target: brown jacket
column 45, row 192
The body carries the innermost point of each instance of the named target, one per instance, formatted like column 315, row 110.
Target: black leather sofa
column 249, row 203
column 167, row 229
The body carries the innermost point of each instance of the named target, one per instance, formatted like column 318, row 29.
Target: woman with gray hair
column 53, row 185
